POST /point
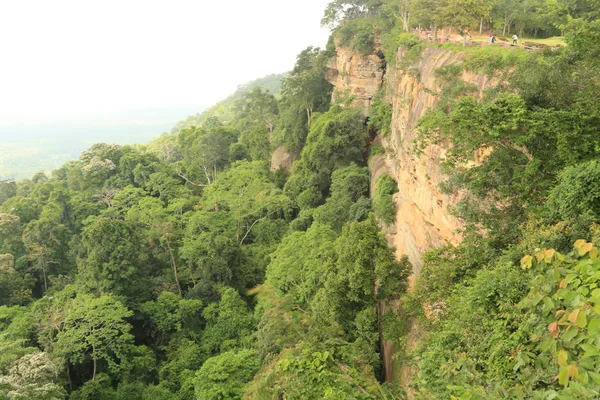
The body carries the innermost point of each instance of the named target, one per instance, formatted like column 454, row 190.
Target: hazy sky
column 64, row 59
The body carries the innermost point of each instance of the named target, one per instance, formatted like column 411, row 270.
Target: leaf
column 548, row 254
column 554, row 329
column 582, row 320
column 594, row 253
column 563, row 376
column 585, row 248
column 579, row 243
column 594, row 325
column 569, row 334
column 573, row 372
column 548, row 303
column 562, row 358
column 590, row 350
column 573, row 316
column 540, row 255
column 595, row 376
column 562, row 284
column 526, row 262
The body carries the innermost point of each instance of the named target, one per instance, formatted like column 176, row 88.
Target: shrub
column 383, row 204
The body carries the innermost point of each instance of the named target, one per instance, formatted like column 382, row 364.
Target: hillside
column 405, row 219
column 223, row 110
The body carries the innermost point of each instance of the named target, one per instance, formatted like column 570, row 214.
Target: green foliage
column 305, row 92
column 228, row 323
column 296, row 266
column 380, row 114
column 515, row 333
column 577, row 192
column 410, row 43
column 383, row 202
column 348, row 185
column 564, row 309
column 95, row 328
column 8, row 189
column 492, row 60
column 112, row 257
column 337, row 138
column 330, row 370
column 358, row 35
column 224, row 110
column 349, row 10
column 169, row 314
column 33, row 376
column 376, row 150
column 224, row 376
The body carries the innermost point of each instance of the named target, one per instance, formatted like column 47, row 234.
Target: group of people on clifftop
column 492, row 39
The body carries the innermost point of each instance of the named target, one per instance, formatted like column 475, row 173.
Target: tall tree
column 95, row 328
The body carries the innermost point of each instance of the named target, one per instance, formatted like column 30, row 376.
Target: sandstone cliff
column 422, row 219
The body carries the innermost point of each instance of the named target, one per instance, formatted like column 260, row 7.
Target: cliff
column 354, row 75
column 422, row 220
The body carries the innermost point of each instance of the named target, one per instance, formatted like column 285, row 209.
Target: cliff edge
column 422, row 219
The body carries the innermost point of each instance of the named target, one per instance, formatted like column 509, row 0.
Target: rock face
column 355, row 75
column 422, row 219
column 281, row 159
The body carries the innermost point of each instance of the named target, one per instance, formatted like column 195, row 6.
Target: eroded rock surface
column 422, row 220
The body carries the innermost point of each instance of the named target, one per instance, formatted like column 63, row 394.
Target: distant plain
column 27, row 148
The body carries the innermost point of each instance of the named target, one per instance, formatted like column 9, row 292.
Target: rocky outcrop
column 281, row 159
column 354, row 75
column 423, row 220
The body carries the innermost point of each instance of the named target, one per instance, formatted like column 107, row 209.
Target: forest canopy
column 190, row 268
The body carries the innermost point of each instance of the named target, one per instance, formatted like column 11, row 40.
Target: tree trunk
column 480, row 26
column 69, row 378
column 95, row 368
column 43, row 262
column 174, row 266
column 405, row 24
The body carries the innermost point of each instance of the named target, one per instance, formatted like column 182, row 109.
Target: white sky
column 62, row 59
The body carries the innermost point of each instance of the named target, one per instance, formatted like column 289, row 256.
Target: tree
column 10, row 230
column 304, row 90
column 348, row 185
column 339, row 10
column 170, row 314
column 224, row 376
column 47, row 240
column 464, row 14
column 204, row 153
column 248, row 194
column 297, row 266
column 228, row 323
column 337, row 138
column 95, row 328
column 112, row 255
column 8, row 189
column 577, row 193
column 33, row 376
column 160, row 226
